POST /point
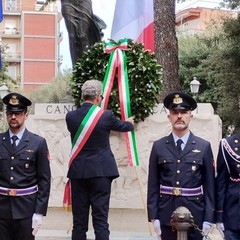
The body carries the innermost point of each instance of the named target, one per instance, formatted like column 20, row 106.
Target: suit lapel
column 7, row 142
column 189, row 145
column 23, row 142
column 170, row 144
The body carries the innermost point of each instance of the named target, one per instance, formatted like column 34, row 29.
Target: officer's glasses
column 16, row 114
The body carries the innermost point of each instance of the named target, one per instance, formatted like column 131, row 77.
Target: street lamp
column 194, row 86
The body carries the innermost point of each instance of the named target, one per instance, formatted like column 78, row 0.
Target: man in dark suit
column 94, row 167
column 227, row 188
column 24, row 174
column 181, row 173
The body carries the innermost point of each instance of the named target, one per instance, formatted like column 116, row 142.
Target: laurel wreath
column 144, row 74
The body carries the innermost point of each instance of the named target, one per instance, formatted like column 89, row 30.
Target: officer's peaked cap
column 16, row 102
column 179, row 100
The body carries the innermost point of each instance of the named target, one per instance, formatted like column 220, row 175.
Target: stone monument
column 129, row 190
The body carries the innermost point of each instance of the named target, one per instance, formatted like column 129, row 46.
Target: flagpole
column 142, row 197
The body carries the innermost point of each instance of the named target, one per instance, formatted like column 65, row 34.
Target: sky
column 103, row 9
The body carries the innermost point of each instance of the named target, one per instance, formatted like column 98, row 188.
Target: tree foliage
column 12, row 84
column 231, row 4
column 214, row 58
column 196, row 60
column 229, row 72
column 53, row 92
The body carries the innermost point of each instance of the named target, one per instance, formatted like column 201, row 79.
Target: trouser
column 94, row 193
column 169, row 234
column 16, row 229
column 232, row 234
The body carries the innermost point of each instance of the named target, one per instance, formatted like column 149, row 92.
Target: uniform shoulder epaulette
column 229, row 150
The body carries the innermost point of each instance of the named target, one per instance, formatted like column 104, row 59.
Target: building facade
column 30, row 38
column 195, row 16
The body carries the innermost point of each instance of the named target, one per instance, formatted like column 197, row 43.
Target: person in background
column 93, row 165
column 227, row 188
column 24, row 174
column 181, row 173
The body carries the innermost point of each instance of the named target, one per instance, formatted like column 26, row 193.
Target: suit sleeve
column 153, row 185
column 119, row 125
column 221, row 185
column 43, row 178
column 209, row 185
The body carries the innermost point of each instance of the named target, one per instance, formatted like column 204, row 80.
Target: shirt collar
column 19, row 135
column 184, row 138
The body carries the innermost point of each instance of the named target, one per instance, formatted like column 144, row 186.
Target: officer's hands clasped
column 220, row 228
column 206, row 229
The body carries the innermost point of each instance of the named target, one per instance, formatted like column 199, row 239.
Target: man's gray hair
column 91, row 89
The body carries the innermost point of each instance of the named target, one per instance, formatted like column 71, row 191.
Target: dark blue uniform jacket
column 191, row 169
column 228, row 183
column 26, row 167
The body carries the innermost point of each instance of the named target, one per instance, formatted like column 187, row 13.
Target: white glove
column 36, row 222
column 220, row 228
column 157, row 229
column 206, row 228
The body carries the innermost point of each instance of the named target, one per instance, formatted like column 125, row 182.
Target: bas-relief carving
column 129, row 190
column 59, row 145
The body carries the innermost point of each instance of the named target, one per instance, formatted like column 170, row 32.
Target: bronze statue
column 84, row 28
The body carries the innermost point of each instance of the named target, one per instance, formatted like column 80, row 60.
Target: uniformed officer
column 24, row 174
column 228, row 187
column 181, row 173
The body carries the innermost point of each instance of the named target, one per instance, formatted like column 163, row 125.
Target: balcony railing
column 39, row 6
column 12, row 7
column 12, row 56
column 10, row 31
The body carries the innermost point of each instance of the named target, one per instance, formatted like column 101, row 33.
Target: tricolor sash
column 118, row 61
column 84, row 131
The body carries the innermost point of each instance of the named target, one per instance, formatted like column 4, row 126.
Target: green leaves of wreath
column 144, row 76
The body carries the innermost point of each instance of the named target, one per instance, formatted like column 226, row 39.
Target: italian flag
column 134, row 19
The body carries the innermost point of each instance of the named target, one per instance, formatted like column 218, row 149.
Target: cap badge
column 177, row 99
column 13, row 100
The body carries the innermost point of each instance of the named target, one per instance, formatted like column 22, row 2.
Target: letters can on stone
column 53, row 108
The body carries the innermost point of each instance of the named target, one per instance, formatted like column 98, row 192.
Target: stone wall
column 129, row 190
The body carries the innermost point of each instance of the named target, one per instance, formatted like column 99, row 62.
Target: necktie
column 14, row 139
column 179, row 143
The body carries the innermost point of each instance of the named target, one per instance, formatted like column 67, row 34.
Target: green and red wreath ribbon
column 118, row 61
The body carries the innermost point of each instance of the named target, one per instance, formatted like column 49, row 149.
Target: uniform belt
column 18, row 192
column 181, row 191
